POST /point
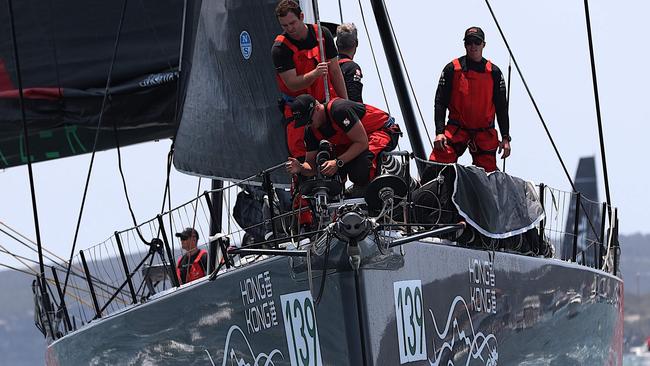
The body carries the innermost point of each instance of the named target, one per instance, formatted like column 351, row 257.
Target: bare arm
column 294, row 166
column 297, row 82
column 359, row 144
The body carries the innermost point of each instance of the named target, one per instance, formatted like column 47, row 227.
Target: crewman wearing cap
column 194, row 263
column 474, row 91
column 359, row 132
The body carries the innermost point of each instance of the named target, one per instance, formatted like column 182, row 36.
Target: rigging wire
column 16, row 269
column 23, row 243
column 21, row 101
column 539, row 113
column 530, row 95
column 23, row 117
column 508, row 98
column 99, row 123
column 408, row 77
column 374, row 58
column 597, row 101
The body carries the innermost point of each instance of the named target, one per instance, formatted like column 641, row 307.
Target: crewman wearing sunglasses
column 474, row 91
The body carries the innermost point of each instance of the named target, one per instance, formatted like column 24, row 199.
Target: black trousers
column 358, row 169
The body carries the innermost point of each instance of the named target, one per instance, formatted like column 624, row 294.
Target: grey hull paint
column 546, row 312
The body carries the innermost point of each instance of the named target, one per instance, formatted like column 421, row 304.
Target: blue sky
column 550, row 43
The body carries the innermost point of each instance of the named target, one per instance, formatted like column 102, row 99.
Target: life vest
column 305, row 61
column 194, row 272
column 373, row 120
column 471, row 102
column 344, row 60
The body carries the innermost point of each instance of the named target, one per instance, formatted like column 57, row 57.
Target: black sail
column 65, row 49
column 231, row 127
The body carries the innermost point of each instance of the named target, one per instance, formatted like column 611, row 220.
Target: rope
column 92, row 158
column 126, row 192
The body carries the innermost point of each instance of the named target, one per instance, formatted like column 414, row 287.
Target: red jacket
column 305, row 61
column 373, row 120
column 471, row 101
column 194, row 272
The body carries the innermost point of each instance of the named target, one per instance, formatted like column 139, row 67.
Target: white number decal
column 409, row 310
column 300, row 329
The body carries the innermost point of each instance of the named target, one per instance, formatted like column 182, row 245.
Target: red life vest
column 305, row 61
column 472, row 94
column 194, row 272
column 344, row 60
column 373, row 120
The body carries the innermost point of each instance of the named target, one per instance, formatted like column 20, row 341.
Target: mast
column 397, row 73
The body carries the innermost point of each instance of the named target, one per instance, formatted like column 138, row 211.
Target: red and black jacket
column 194, row 271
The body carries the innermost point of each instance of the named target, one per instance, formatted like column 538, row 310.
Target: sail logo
column 158, row 79
column 245, row 45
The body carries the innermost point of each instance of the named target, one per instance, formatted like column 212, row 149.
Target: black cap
column 302, row 109
column 187, row 233
column 474, row 32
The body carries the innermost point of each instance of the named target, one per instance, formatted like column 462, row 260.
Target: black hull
column 470, row 307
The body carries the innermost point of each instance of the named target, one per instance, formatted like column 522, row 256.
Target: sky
column 549, row 41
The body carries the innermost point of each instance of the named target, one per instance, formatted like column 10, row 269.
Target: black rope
column 126, row 192
column 92, row 158
column 600, row 125
column 539, row 114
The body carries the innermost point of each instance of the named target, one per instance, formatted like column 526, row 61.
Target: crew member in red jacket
column 358, row 133
column 194, row 263
column 300, row 68
column 473, row 90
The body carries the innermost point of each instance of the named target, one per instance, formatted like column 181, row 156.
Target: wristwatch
column 507, row 137
column 339, row 163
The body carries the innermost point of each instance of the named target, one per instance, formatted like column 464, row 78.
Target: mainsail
column 65, row 51
column 230, row 126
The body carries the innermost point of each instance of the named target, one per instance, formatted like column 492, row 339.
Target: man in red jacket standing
column 473, row 90
column 301, row 68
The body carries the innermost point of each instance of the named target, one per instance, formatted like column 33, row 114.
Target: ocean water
column 633, row 360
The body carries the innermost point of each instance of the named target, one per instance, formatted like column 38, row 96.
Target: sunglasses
column 473, row 41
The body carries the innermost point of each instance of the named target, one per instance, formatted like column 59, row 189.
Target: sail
column 65, row 49
column 231, row 127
